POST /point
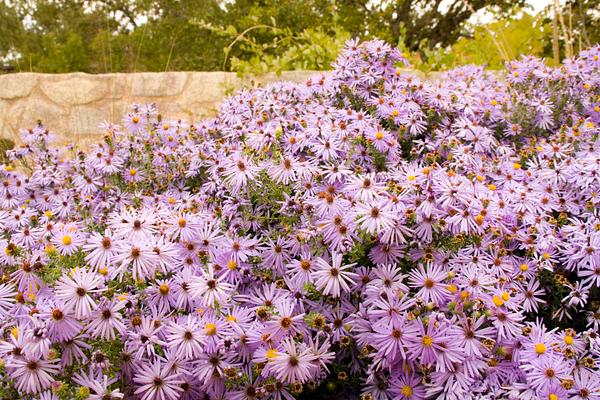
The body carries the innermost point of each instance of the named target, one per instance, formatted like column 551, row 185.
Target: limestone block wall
column 74, row 105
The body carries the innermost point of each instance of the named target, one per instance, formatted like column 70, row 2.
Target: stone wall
column 74, row 105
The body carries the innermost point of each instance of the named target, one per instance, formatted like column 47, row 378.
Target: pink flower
column 331, row 277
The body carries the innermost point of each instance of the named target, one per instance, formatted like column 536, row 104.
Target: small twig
column 170, row 52
column 583, row 28
column 568, row 46
column 501, row 50
column 555, row 45
column 241, row 37
column 137, row 56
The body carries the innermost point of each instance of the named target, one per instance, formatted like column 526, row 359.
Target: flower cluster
column 365, row 234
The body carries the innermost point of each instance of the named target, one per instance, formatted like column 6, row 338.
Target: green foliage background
column 254, row 36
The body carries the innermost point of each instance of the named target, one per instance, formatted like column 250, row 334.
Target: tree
column 583, row 18
column 512, row 37
column 429, row 23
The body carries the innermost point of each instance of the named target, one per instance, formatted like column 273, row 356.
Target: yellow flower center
column 491, row 186
column 163, row 289
column 406, row 390
column 395, row 113
column 505, row 296
column 67, row 240
column 479, row 219
column 231, row 318
column 210, row 328
column 517, row 165
column 132, row 172
column 379, row 135
column 271, row 354
column 552, row 396
column 427, row 340
column 411, row 178
column 135, row 120
column 497, row 300
column 568, row 340
column 524, row 267
column 540, row 348
column 231, row 264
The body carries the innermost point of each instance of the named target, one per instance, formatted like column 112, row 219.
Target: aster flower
column 184, row 226
column 76, row 290
column 7, row 298
column 333, row 278
column 285, row 323
column 100, row 248
column 33, row 374
column 374, row 218
column 434, row 343
column 138, row 259
column 209, row 288
column 61, row 323
column 101, row 390
column 239, row 171
column 407, row 387
column 586, row 386
column 386, row 278
column 106, row 320
column 156, row 383
column 67, row 240
column 225, row 279
column 531, row 296
column 429, row 281
column 147, row 335
column 134, row 225
column 546, row 371
column 390, row 342
column 293, row 365
column 185, row 336
column 301, row 270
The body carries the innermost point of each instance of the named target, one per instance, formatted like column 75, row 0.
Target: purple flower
column 106, row 320
column 156, row 383
column 401, row 238
column 76, row 290
column 33, row 373
column 293, row 365
column 333, row 278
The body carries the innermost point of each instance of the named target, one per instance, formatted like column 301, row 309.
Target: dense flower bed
column 364, row 234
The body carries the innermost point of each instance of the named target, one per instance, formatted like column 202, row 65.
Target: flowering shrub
column 364, row 234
